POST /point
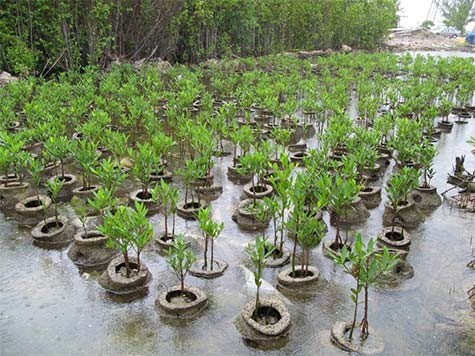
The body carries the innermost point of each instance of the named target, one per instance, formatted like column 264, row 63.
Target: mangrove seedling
column 126, row 229
column 54, row 186
column 259, row 252
column 110, row 175
column 366, row 266
column 166, row 197
column 180, row 259
column 211, row 230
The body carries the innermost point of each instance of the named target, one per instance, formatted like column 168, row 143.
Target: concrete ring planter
column 326, row 248
column 372, row 345
column 89, row 250
column 371, row 196
column 190, row 210
column 146, row 199
column 164, row 175
column 210, row 193
column 261, row 191
column 280, row 323
column 371, row 174
column 383, row 160
column 445, row 126
column 400, row 272
column 426, row 198
column 285, row 278
column 279, row 261
column 52, row 238
column 408, row 215
column 70, row 182
column 12, row 193
column 31, row 211
column 219, row 267
column 9, row 178
column 247, row 219
column 85, row 193
column 298, row 157
column 355, row 213
column 297, row 147
column 116, row 283
column 50, row 170
column 188, row 304
column 201, row 182
column 236, row 177
column 397, row 238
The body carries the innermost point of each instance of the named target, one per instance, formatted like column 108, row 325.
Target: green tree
column 457, row 13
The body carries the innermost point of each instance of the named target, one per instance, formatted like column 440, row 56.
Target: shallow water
column 49, row 308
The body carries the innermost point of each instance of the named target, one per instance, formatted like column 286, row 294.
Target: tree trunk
column 205, row 255
column 212, row 253
column 127, row 265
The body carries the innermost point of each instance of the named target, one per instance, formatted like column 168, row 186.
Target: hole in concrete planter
column 51, row 226
column 121, row 267
column 258, row 189
column 301, row 274
column 179, row 297
column 86, row 189
column 33, row 204
column 394, row 236
column 367, row 190
column 144, row 195
column 192, row 205
column 91, row 235
column 266, row 315
column 276, row 253
column 65, row 179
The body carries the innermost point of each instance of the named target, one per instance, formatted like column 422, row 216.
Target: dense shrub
column 43, row 35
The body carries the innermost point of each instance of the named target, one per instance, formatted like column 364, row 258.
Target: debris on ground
column 424, row 40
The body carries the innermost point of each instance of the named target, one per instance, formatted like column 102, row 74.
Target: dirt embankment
column 424, row 40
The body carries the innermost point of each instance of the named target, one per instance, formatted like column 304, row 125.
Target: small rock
column 6, row 78
column 346, row 49
column 86, row 276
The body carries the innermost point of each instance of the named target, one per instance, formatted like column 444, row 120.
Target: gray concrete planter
column 12, row 193
column 260, row 191
column 246, row 219
column 269, row 327
column 339, row 336
column 394, row 237
column 30, row 211
column 286, row 279
column 115, row 282
column 371, row 197
column 174, row 303
column 445, row 126
column 89, row 251
column 210, row 193
column 219, row 267
column 355, row 213
column 408, row 216
column 298, row 157
column 383, row 160
column 46, row 234
column 10, row 178
column 189, row 211
column 281, row 258
column 70, row 182
column 164, row 175
column 426, row 198
column 146, row 199
column 85, row 193
column 237, row 177
column 371, row 174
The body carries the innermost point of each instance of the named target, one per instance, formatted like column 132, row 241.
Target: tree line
column 42, row 36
